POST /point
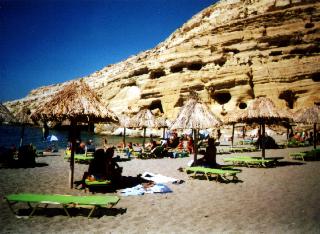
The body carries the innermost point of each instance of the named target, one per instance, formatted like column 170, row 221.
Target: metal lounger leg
column 11, row 204
column 91, row 212
column 34, row 209
column 206, row 175
column 65, row 210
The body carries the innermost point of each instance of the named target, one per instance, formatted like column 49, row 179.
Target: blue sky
column 44, row 42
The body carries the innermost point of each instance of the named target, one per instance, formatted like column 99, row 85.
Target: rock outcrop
column 229, row 53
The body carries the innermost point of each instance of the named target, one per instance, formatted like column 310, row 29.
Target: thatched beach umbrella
column 232, row 118
column 310, row 115
column 144, row 119
column 5, row 115
column 195, row 115
column 77, row 103
column 124, row 121
column 263, row 111
column 164, row 123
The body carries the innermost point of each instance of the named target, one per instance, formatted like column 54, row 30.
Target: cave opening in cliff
column 222, row 97
column 242, row 105
column 275, row 53
column 176, row 68
column 196, row 66
column 141, row 71
column 315, row 77
column 220, row 61
column 156, row 104
column 309, row 25
column 157, row 74
column 289, row 96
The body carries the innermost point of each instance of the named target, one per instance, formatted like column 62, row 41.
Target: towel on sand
column 158, row 178
column 140, row 190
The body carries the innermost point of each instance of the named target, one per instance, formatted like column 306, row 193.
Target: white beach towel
column 158, row 178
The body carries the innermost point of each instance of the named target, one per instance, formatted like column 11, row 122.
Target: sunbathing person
column 209, row 158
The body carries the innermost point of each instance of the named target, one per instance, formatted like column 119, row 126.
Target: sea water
column 10, row 135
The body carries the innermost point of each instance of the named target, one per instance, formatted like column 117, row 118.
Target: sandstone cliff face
column 229, row 53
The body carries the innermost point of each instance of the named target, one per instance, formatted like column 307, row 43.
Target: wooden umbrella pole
column 144, row 137
column 263, row 140
column 124, row 137
column 232, row 137
column 164, row 133
column 314, row 135
column 73, row 145
column 195, row 146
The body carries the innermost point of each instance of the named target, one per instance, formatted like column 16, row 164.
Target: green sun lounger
column 298, row 155
column 306, row 155
column 80, row 158
column 252, row 161
column 64, row 200
column 220, row 174
column 91, row 185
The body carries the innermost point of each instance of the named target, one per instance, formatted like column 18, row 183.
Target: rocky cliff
column 229, row 53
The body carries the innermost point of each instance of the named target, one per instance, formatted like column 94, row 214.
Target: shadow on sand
column 55, row 211
column 17, row 165
column 288, row 163
column 126, row 182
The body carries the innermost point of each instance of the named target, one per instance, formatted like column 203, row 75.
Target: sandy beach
column 284, row 199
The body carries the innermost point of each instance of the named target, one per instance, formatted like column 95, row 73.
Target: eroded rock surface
column 229, row 53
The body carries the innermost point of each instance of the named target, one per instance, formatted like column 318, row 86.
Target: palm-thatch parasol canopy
column 76, row 102
column 144, row 119
column 195, row 115
column 310, row 115
column 5, row 115
column 164, row 123
column 261, row 110
column 233, row 118
column 124, row 121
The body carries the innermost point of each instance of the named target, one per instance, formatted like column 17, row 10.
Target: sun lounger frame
column 311, row 155
column 251, row 161
column 220, row 174
column 64, row 200
column 80, row 158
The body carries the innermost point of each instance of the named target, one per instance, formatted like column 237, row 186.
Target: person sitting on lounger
column 209, row 158
column 113, row 169
column 102, row 167
column 97, row 167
